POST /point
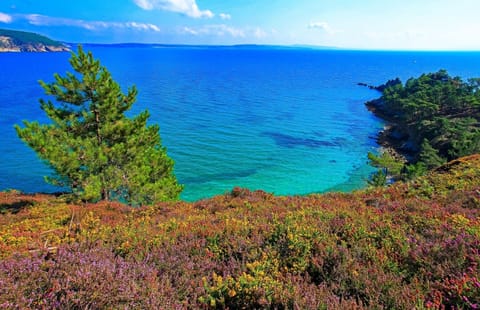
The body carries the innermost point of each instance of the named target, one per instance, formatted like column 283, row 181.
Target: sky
column 352, row 24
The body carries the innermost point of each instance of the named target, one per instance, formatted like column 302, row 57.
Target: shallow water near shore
column 288, row 121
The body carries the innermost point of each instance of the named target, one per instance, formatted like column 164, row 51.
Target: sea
column 290, row 121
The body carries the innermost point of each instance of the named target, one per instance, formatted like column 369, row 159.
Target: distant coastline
column 20, row 41
column 235, row 46
column 31, row 48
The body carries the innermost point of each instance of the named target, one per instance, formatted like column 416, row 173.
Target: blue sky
column 367, row 24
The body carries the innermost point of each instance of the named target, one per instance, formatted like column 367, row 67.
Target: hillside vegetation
column 411, row 245
column 21, row 41
column 431, row 119
column 435, row 117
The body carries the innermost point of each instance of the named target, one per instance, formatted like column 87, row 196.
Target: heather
column 410, row 245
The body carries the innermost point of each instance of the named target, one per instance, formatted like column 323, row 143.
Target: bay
column 284, row 120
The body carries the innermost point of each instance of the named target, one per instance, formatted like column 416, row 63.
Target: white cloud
column 5, row 18
column 321, row 26
column 222, row 30
column 188, row 30
column 215, row 30
column 259, row 33
column 142, row 26
column 186, row 7
column 144, row 4
column 43, row 20
column 225, row 16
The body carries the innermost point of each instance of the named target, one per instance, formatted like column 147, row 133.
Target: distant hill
column 206, row 46
column 21, row 41
column 316, row 47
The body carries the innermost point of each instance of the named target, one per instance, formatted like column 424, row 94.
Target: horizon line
column 292, row 46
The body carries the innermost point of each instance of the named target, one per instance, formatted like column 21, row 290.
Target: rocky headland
column 20, row 41
column 393, row 139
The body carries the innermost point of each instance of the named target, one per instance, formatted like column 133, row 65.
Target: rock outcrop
column 10, row 42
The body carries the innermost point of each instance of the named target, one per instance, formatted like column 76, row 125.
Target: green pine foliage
column 439, row 113
column 378, row 179
column 429, row 156
column 436, row 115
column 94, row 149
column 389, row 169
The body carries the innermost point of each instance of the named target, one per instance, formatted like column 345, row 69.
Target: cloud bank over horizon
column 185, row 7
column 350, row 24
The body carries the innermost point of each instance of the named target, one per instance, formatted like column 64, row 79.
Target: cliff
column 20, row 41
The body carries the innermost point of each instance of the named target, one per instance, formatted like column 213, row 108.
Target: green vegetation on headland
column 412, row 245
column 431, row 119
column 21, row 41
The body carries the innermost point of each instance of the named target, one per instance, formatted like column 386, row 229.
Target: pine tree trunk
column 105, row 195
column 97, row 120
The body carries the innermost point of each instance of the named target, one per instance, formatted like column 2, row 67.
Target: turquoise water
column 288, row 121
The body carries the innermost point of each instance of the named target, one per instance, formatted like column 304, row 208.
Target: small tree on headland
column 94, row 149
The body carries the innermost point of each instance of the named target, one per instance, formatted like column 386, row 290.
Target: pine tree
column 378, row 179
column 429, row 156
column 93, row 148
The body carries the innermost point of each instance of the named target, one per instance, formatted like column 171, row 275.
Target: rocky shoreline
column 391, row 139
column 33, row 48
column 42, row 49
column 9, row 44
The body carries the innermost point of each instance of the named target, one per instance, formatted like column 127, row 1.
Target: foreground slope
column 412, row 245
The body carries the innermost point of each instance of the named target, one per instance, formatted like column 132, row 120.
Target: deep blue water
column 288, row 121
